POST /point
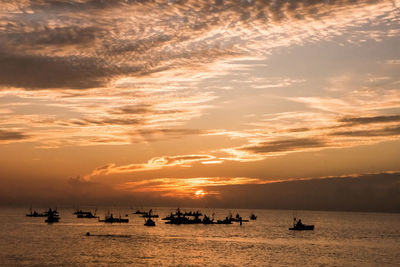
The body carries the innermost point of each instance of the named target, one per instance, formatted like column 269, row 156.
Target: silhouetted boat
column 85, row 214
column 299, row 226
column 149, row 222
column 207, row 220
column 52, row 219
column 183, row 218
column 35, row 214
column 237, row 218
column 225, row 221
column 110, row 219
column 52, row 216
column 303, row 227
column 253, row 216
column 149, row 215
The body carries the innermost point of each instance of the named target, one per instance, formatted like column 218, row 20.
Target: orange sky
column 176, row 100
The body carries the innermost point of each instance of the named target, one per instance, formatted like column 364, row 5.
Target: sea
column 339, row 239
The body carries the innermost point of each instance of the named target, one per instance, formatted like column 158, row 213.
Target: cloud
column 285, row 145
column 90, row 44
column 44, row 72
column 155, row 163
column 7, row 136
column 386, row 131
column 368, row 120
column 150, row 135
column 117, row 116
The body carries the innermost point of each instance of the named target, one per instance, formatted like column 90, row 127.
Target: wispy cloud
column 153, row 164
column 7, row 136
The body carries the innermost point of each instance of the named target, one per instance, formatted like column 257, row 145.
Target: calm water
column 340, row 239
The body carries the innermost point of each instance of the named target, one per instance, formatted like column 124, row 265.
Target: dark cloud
column 170, row 160
column 142, row 109
column 33, row 72
column 368, row 120
column 6, row 135
column 297, row 130
column 387, row 131
column 170, row 131
column 151, row 135
column 284, row 145
column 108, row 121
column 60, row 36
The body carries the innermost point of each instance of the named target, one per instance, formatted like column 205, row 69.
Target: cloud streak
column 155, row 163
column 10, row 136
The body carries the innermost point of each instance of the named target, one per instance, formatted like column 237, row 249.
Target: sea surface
column 339, row 239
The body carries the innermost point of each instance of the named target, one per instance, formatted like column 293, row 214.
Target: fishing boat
column 52, row 216
column 149, row 222
column 183, row 217
column 237, row 218
column 207, row 220
column 52, row 219
column 225, row 221
column 35, row 214
column 299, row 226
column 109, row 218
column 148, row 215
column 85, row 214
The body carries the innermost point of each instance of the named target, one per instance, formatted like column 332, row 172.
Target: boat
column 52, row 216
column 149, row 214
column 253, row 216
column 237, row 218
column 35, row 214
column 85, row 214
column 303, row 227
column 168, row 217
column 109, row 218
column 52, row 219
column 299, row 226
column 183, row 218
column 207, row 220
column 149, row 222
column 225, row 221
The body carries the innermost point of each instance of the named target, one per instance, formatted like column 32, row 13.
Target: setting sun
column 200, row 193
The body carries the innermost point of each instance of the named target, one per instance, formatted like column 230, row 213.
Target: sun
column 199, row 193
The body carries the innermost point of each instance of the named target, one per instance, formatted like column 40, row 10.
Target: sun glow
column 200, row 193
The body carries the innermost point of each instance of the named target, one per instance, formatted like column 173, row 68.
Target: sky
column 224, row 103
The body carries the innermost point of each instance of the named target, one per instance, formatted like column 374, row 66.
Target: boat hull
column 302, row 228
